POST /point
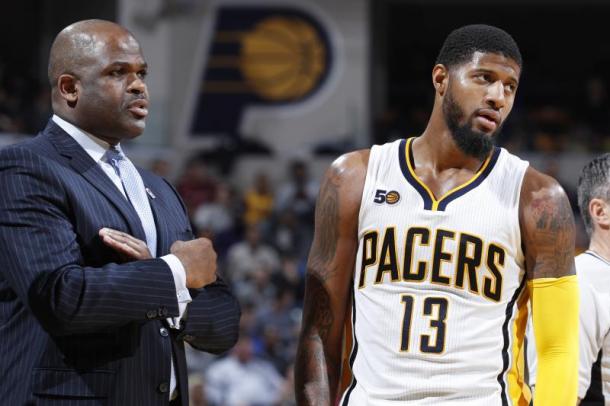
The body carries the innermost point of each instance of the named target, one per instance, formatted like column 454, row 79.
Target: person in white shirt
column 593, row 270
column 243, row 379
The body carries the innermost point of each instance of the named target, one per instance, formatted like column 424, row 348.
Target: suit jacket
column 77, row 326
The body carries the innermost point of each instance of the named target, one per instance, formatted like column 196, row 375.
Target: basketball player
column 593, row 270
column 429, row 249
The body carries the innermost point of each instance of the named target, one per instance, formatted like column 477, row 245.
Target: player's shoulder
column 345, row 178
column 538, row 187
column 356, row 162
column 547, row 225
column 350, row 166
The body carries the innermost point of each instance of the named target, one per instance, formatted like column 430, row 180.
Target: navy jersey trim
column 506, row 338
column 405, row 157
column 595, row 393
column 404, row 167
column 483, row 175
column 352, row 357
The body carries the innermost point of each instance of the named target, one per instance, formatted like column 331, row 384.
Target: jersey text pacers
column 477, row 265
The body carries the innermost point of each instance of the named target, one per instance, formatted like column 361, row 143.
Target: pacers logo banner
column 259, row 56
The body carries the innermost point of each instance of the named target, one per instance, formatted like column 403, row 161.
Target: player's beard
column 468, row 140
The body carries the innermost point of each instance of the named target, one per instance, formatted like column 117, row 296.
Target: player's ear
column 600, row 213
column 440, row 76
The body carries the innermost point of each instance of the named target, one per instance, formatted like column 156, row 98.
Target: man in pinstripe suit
column 98, row 288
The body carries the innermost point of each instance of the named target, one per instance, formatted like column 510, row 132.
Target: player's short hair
column 461, row 43
column 594, row 182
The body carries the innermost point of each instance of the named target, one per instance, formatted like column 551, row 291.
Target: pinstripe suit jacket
column 77, row 326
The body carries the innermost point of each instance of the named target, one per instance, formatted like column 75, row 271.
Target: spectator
column 241, row 379
column 297, row 197
column 299, row 193
column 258, row 201
column 290, row 277
column 162, row 167
column 278, row 325
column 196, row 186
column 197, row 391
column 216, row 220
column 250, row 255
column 287, row 397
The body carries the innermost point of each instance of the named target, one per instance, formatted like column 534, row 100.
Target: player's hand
column 129, row 247
column 199, row 260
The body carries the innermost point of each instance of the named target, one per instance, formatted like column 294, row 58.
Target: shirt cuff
column 179, row 274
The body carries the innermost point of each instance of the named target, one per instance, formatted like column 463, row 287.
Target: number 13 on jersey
column 435, row 310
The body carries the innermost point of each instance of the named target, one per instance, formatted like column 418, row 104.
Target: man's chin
column 474, row 143
column 135, row 129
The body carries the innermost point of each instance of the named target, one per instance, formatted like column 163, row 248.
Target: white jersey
column 439, row 306
column 594, row 368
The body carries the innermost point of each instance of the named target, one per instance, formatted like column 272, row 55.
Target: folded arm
column 44, row 266
column 212, row 320
column 212, row 323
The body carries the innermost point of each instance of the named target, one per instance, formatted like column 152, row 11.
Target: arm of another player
column 329, row 274
column 547, row 228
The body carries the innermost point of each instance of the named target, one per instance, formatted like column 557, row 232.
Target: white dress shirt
column 96, row 149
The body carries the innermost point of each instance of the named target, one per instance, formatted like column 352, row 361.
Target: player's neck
column 437, row 148
column 600, row 244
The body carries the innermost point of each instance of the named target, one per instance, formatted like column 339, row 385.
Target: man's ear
column 440, row 78
column 599, row 211
column 69, row 88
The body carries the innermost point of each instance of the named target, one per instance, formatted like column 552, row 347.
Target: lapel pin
column 151, row 194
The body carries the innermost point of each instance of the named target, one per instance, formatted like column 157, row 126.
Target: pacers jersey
column 439, row 300
column 594, row 367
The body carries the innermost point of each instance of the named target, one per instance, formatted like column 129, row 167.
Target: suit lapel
column 160, row 213
column 82, row 163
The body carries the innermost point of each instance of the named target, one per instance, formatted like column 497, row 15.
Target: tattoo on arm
column 317, row 367
column 552, row 237
column 318, row 362
column 318, row 313
column 327, row 230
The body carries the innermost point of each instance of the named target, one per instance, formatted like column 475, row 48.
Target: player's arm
column 547, row 229
column 329, row 274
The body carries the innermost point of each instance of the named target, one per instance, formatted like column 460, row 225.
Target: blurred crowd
column 262, row 235
column 25, row 103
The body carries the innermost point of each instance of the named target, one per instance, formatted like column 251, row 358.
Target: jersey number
column 435, row 308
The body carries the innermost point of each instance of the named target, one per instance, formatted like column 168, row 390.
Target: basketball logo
column 392, row 197
column 260, row 55
column 283, row 58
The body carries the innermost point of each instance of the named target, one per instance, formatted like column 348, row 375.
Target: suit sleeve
column 43, row 264
column 212, row 320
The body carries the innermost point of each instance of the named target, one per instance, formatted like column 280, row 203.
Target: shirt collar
column 93, row 146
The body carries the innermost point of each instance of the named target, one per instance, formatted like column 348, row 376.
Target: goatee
column 468, row 140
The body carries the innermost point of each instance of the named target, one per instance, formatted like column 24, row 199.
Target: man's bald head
column 76, row 47
column 97, row 74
